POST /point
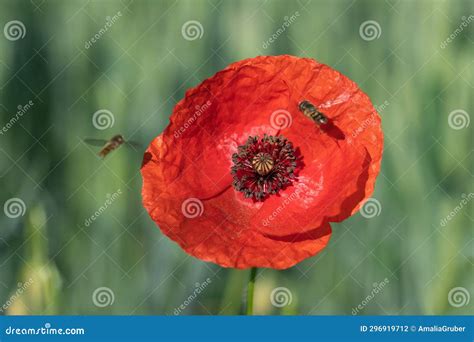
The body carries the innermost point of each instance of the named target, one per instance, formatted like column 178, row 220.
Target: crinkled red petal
column 193, row 157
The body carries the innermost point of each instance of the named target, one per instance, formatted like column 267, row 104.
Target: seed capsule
column 262, row 163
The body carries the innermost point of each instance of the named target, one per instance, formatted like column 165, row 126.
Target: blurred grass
column 141, row 67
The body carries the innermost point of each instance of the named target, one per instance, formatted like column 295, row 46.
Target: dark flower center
column 264, row 166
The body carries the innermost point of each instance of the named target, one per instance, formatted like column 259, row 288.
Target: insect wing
column 133, row 144
column 95, row 142
column 340, row 99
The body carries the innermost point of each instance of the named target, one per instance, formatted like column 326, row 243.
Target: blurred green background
column 53, row 262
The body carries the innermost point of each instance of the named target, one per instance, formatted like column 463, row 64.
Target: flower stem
column 250, row 288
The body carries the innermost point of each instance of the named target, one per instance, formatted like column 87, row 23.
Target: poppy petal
column 191, row 162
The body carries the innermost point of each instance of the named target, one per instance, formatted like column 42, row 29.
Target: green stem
column 250, row 288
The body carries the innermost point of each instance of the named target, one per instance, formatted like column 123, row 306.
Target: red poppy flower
column 242, row 178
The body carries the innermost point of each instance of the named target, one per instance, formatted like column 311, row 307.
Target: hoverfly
column 110, row 145
column 308, row 109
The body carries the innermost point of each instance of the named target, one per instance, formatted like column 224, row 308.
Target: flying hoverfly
column 308, row 109
column 110, row 145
